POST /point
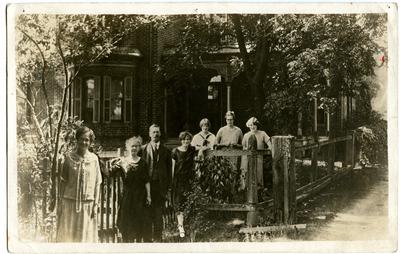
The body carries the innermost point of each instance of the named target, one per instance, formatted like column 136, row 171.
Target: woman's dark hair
column 185, row 134
column 82, row 130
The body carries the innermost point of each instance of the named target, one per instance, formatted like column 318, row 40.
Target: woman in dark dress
column 136, row 192
column 183, row 165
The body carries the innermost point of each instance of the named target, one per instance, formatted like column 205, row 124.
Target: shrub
column 34, row 162
column 373, row 143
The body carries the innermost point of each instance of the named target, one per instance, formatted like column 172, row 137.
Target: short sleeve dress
column 230, row 136
column 183, row 175
column 132, row 206
column 263, row 142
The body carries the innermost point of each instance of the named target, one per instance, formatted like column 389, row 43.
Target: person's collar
column 88, row 156
column 155, row 144
column 205, row 134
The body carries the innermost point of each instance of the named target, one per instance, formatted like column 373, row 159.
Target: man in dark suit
column 159, row 161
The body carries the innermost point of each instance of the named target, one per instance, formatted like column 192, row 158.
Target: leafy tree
column 286, row 59
column 54, row 49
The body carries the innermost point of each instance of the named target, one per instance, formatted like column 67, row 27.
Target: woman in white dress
column 263, row 142
column 204, row 140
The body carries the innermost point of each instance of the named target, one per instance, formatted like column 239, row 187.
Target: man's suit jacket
column 163, row 164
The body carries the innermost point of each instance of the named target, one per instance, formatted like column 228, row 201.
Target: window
column 128, row 99
column 107, row 98
column 118, row 98
column 91, row 98
column 76, row 91
column 115, row 95
column 321, row 116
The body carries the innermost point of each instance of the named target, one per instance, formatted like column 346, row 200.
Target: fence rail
column 286, row 189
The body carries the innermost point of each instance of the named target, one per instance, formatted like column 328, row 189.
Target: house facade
column 122, row 95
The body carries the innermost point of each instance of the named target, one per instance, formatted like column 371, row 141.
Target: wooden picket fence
column 287, row 191
column 110, row 195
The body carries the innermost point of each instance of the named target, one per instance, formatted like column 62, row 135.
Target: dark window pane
column 77, row 108
column 107, row 110
column 128, row 111
column 77, row 88
column 107, row 84
column 96, row 111
column 128, row 86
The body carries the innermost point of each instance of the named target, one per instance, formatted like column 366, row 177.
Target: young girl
column 136, row 191
column 204, row 140
column 183, row 168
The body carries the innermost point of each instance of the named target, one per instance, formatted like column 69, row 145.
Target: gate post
column 284, row 179
column 252, row 195
column 349, row 156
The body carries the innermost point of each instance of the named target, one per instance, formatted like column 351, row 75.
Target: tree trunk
column 255, row 73
column 43, row 83
column 54, row 167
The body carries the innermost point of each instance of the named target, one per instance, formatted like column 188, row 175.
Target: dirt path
column 365, row 217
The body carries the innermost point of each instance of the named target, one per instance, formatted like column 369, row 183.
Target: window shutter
column 128, row 98
column 96, row 100
column 77, row 92
column 107, row 99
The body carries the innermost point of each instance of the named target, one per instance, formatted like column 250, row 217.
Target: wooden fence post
column 353, row 150
column 314, row 164
column 284, row 179
column 252, row 195
column 349, row 157
column 331, row 155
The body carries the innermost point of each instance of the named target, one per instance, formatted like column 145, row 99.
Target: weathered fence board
column 283, row 179
column 323, row 143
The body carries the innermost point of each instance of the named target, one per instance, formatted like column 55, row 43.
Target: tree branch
column 54, row 167
column 242, row 45
column 43, row 81
column 102, row 52
column 34, row 117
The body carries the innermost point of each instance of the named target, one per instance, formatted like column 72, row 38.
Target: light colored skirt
column 77, row 226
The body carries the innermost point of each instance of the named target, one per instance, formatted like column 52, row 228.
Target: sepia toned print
column 107, row 105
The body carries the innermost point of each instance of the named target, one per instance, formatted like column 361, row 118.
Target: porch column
column 228, row 96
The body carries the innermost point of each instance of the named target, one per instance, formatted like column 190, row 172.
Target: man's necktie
column 155, row 153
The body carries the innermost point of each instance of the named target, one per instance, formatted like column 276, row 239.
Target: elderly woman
column 80, row 191
column 136, row 191
column 204, row 140
column 263, row 142
column 183, row 171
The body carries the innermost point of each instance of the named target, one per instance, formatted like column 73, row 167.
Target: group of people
column 152, row 175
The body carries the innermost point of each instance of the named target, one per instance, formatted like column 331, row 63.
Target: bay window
column 103, row 99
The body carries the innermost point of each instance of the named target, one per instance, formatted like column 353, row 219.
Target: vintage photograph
column 201, row 127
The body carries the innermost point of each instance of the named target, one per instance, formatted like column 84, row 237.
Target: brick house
column 122, row 95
